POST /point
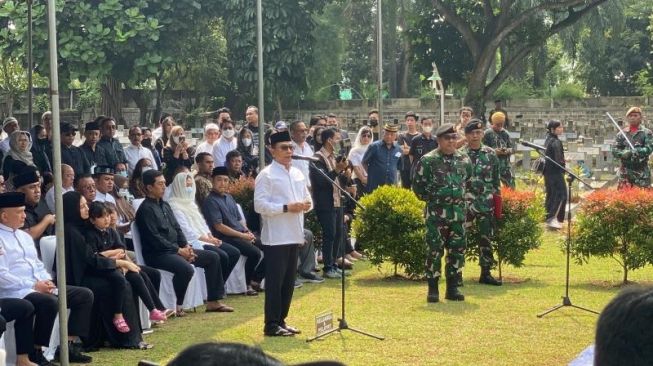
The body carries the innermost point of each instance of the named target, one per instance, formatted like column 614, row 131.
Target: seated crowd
column 177, row 197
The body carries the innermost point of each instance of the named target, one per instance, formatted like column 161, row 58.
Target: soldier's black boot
column 452, row 290
column 487, row 279
column 434, row 293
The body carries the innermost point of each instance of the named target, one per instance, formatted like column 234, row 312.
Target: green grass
column 494, row 326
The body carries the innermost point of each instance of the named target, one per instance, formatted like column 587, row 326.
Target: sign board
column 345, row 94
column 323, row 323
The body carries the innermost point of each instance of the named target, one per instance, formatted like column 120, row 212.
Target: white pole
column 261, row 101
column 56, row 157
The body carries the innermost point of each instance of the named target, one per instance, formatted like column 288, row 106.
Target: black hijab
column 71, row 211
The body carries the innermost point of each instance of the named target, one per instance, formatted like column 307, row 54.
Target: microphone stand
column 566, row 301
column 342, row 322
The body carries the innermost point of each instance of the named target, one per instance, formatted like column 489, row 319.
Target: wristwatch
column 285, row 208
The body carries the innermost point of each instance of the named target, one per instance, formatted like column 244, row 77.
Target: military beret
column 91, row 126
column 474, row 124
column 99, row 170
column 28, row 175
column 445, row 129
column 220, row 170
column 633, row 110
column 498, row 117
column 282, row 136
column 12, row 199
column 391, row 128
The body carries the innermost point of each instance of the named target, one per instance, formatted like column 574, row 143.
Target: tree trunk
column 390, row 46
column 405, row 65
column 279, row 108
column 112, row 99
column 625, row 273
column 159, row 96
column 539, row 68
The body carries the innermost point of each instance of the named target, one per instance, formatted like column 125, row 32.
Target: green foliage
column 89, row 96
column 42, row 103
column 568, row 91
column 392, row 228
column 514, row 89
column 644, row 81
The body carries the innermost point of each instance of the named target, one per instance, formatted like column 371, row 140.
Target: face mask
column 228, row 133
column 122, row 173
column 247, row 142
column 146, row 142
column 189, row 190
column 427, row 129
column 123, row 192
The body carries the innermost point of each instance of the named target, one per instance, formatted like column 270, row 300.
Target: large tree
column 487, row 25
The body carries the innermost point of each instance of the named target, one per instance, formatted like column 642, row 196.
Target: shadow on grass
column 454, row 308
column 608, row 286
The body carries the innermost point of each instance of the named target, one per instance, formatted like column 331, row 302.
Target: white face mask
column 122, row 173
column 427, row 129
column 123, row 192
column 175, row 139
column 228, row 133
column 247, row 142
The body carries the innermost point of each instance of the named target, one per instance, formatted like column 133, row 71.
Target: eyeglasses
column 286, row 147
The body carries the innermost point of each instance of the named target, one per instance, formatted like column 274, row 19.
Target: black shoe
column 37, row 357
column 434, row 293
column 452, row 290
column 75, row 354
column 487, row 279
column 278, row 332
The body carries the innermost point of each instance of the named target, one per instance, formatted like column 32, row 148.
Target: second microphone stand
column 566, row 301
column 342, row 322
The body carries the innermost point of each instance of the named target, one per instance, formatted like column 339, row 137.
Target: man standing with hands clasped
column 634, row 170
column 405, row 140
column 281, row 197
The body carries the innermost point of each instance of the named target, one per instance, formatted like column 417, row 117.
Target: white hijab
column 183, row 200
column 358, row 147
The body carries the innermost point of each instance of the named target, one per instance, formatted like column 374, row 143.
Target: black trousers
column 331, row 223
column 21, row 312
column 253, row 270
column 144, row 289
column 119, row 285
column 229, row 256
column 280, row 276
column 183, row 272
column 556, row 196
column 405, row 178
column 80, row 303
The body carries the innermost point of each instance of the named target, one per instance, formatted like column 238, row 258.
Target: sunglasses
column 286, row 147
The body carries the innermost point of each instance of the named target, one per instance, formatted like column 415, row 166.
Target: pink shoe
column 121, row 325
column 157, row 315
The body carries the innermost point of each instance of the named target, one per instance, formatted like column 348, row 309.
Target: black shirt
column 99, row 157
column 102, row 240
column 421, row 146
column 406, row 138
column 159, row 230
column 223, row 209
column 34, row 215
column 116, row 153
column 74, row 157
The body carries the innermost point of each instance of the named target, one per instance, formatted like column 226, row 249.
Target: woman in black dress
column 554, row 180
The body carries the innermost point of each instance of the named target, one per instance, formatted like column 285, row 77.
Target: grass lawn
column 494, row 326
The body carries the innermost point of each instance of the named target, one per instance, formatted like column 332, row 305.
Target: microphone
column 305, row 158
column 532, row 145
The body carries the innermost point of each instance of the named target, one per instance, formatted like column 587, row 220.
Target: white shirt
column 189, row 232
column 135, row 153
column 49, row 197
column 276, row 186
column 4, row 146
column 104, row 197
column 20, row 267
column 221, row 148
column 204, row 147
column 303, row 165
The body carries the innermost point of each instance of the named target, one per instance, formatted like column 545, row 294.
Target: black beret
column 26, row 176
column 445, row 129
column 474, row 124
column 12, row 199
column 66, row 127
column 221, row 170
column 282, row 136
column 99, row 170
column 92, row 126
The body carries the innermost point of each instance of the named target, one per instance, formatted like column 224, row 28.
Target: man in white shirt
column 211, row 135
column 299, row 132
column 136, row 151
column 225, row 143
column 103, row 177
column 281, row 197
column 67, row 179
column 23, row 276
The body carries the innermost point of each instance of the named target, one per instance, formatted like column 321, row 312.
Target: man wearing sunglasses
column 440, row 180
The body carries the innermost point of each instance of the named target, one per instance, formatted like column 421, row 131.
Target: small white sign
column 323, row 323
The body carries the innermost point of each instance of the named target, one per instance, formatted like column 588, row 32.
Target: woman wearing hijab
column 20, row 143
column 246, row 148
column 554, row 180
column 363, row 139
column 193, row 224
column 85, row 268
column 176, row 153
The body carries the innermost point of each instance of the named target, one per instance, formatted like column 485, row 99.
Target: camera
column 345, row 147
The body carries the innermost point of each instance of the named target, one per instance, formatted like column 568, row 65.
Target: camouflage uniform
column 479, row 194
column 440, row 181
column 498, row 140
column 634, row 170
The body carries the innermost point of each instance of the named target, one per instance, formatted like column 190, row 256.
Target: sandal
column 144, row 346
column 121, row 325
column 180, row 313
column 251, row 292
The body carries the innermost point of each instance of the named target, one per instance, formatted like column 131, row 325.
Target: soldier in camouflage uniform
column 634, row 170
column 498, row 138
column 440, row 179
column 479, row 194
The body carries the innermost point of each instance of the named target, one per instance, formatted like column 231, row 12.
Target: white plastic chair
column 193, row 297
column 236, row 283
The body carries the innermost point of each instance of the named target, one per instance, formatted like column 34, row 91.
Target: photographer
column 327, row 199
column 177, row 153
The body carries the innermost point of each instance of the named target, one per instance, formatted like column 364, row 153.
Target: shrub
column 616, row 224
column 392, row 228
column 243, row 192
column 568, row 91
